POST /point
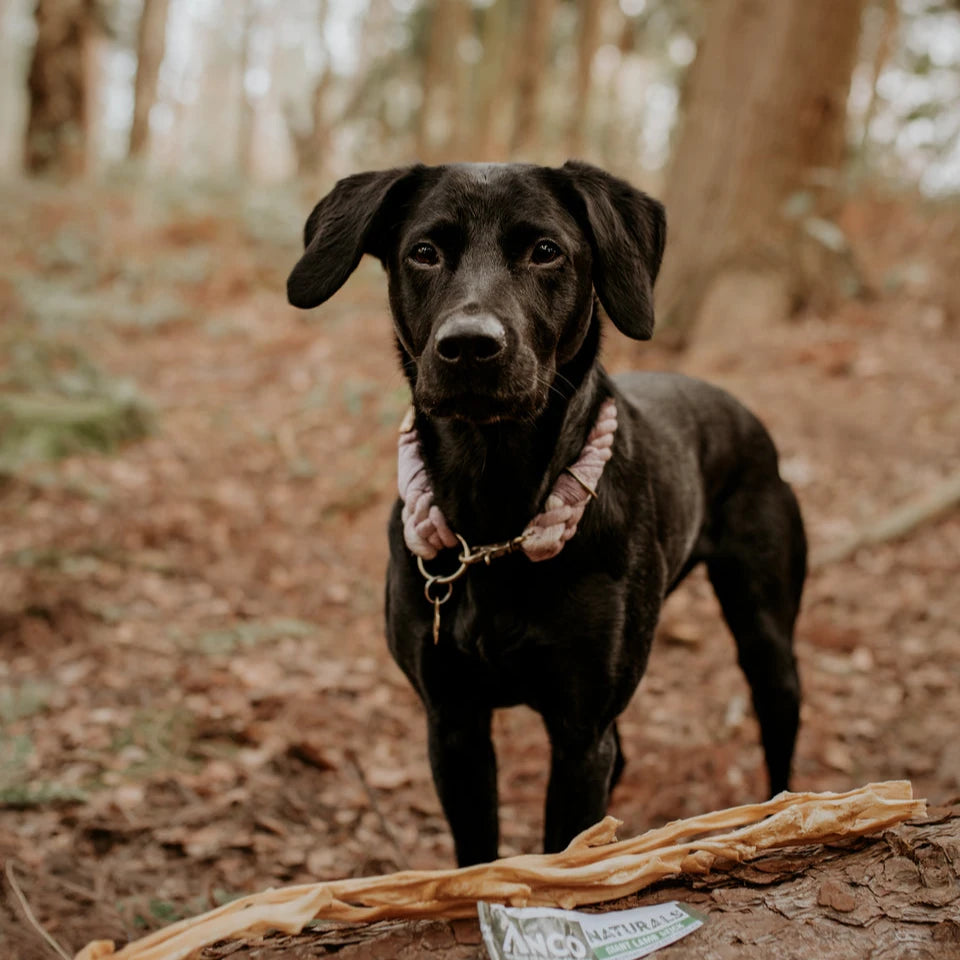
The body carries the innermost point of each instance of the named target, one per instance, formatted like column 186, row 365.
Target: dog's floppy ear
column 627, row 231
column 344, row 225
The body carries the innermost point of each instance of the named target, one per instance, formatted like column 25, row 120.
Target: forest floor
column 196, row 700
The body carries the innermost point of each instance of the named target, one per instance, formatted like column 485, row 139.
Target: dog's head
column 492, row 270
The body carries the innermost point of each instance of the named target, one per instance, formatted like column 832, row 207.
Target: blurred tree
column 310, row 138
column 910, row 117
column 588, row 40
column 461, row 69
column 151, row 41
column 881, row 54
column 356, row 106
column 496, row 74
column 444, row 80
column 310, row 141
column 758, row 158
column 212, row 119
column 58, row 86
column 13, row 101
column 247, row 117
column 533, row 60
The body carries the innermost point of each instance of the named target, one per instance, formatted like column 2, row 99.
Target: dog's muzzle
column 465, row 340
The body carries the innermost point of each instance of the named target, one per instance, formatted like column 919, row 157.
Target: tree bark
column 888, row 898
column 442, row 79
column 764, row 121
column 534, row 55
column 57, row 86
column 588, row 39
column 495, row 77
column 310, row 145
column 151, row 43
column 310, row 141
column 12, row 90
column 458, row 83
column 881, row 54
column 247, row 14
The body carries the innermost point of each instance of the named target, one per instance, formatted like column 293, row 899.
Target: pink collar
column 425, row 528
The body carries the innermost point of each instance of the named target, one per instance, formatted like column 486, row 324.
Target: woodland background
column 195, row 697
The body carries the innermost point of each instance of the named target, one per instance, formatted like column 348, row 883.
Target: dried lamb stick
column 592, row 869
column 574, row 876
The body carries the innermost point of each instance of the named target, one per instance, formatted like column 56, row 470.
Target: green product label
column 529, row 933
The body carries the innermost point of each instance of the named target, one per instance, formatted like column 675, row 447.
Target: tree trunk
column 212, row 120
column 494, row 79
column 58, row 87
column 12, row 91
column 310, row 145
column 588, row 39
column 881, row 54
column 890, row 898
column 310, row 140
column 151, row 42
column 459, row 74
column 619, row 132
column 765, row 122
column 441, row 78
column 246, row 120
column 533, row 56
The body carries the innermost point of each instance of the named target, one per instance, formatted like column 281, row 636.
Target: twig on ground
column 77, row 890
column 28, row 913
column 897, row 523
column 399, row 856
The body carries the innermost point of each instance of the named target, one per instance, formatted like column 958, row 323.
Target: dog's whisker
column 551, row 386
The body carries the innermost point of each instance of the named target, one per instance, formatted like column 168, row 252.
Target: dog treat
column 594, row 868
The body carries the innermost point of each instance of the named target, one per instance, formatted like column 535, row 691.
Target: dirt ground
column 196, row 700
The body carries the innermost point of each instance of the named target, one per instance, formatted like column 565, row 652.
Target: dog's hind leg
column 757, row 567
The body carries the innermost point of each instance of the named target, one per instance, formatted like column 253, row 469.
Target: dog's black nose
column 470, row 338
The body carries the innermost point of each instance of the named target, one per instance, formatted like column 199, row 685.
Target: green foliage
column 54, row 304
column 18, row 787
column 243, row 636
column 69, row 249
column 20, row 796
column 25, row 700
column 54, row 403
column 46, row 427
column 355, row 392
column 165, row 911
column 393, row 404
column 220, row 896
column 165, row 736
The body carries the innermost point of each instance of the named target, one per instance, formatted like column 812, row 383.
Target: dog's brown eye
column 425, row 254
column 544, row 252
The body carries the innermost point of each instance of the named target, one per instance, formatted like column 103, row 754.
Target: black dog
column 493, row 271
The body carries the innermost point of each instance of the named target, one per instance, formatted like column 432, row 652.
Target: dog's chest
column 493, row 618
column 522, row 610
column 497, row 648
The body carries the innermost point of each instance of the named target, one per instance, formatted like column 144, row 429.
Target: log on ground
column 893, row 897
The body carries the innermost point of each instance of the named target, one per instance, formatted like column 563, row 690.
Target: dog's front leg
column 582, row 768
column 465, row 773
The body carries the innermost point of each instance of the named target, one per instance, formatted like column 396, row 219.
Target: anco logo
column 553, row 945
